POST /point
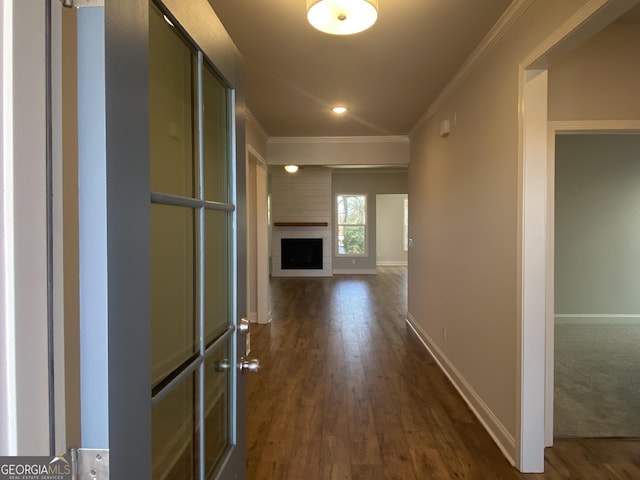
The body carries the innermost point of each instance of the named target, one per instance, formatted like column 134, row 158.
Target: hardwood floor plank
column 367, row 472
column 365, row 450
column 304, row 462
column 346, row 391
column 267, row 471
column 396, row 456
column 335, row 458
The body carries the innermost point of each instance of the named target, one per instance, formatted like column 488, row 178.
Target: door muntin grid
column 193, row 266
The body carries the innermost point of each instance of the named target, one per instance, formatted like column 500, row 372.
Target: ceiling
column 387, row 76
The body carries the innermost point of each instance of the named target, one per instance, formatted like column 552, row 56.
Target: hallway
column 346, row 391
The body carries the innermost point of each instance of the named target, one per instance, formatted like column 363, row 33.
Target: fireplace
column 301, row 253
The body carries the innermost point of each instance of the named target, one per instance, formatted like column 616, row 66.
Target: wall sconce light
column 291, row 168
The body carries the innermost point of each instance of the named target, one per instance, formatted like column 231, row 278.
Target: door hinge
column 82, row 3
column 89, row 463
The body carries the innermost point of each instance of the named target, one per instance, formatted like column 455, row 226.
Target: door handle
column 221, row 365
column 249, row 366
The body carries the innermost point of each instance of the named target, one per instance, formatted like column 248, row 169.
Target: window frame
column 365, row 225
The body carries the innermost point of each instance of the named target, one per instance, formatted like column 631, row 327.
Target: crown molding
column 250, row 117
column 499, row 30
column 363, row 139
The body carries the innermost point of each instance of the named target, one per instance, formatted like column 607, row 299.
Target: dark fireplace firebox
column 301, row 253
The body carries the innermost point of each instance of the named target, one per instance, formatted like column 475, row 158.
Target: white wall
column 598, row 80
column 256, row 137
column 464, row 192
column 390, row 232
column 339, row 151
column 597, row 228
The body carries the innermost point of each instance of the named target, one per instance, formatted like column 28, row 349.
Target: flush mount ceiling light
column 342, row 17
column 291, row 168
column 339, row 110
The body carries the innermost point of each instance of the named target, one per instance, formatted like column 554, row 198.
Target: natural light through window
column 352, row 225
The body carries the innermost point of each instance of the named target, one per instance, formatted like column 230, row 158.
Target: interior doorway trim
column 592, row 127
column 258, row 230
column 535, row 349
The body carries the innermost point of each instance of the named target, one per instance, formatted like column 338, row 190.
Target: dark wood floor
column 346, row 391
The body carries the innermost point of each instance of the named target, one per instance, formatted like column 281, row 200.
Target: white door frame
column 24, row 339
column 262, row 240
column 257, row 233
column 535, row 341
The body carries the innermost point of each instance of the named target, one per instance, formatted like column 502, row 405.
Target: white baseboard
column 355, row 271
column 500, row 435
column 596, row 319
column 391, row 263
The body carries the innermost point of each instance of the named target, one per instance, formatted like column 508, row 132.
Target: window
column 352, row 225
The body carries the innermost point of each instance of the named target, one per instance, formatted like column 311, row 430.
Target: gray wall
column 464, row 191
column 371, row 183
column 597, row 226
column 390, row 239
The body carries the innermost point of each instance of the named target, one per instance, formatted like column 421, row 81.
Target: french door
column 161, row 181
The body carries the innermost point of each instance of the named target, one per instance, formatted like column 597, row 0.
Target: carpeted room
column 597, row 328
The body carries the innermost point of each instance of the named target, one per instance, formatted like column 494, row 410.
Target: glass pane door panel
column 217, row 274
column 174, row 441
column 217, row 407
column 174, row 330
column 215, row 137
column 171, row 112
column 192, row 278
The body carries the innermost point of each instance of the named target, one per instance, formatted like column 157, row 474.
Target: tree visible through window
column 352, row 224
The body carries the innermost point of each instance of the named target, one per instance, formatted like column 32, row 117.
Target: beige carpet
column 597, row 380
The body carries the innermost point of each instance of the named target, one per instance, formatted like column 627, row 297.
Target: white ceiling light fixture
column 291, row 168
column 339, row 110
column 342, row 17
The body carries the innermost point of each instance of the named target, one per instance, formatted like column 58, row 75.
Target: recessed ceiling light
column 339, row 110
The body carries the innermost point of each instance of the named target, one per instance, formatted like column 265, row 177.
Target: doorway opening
column 596, row 314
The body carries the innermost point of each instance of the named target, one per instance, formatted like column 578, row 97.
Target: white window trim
column 366, row 226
